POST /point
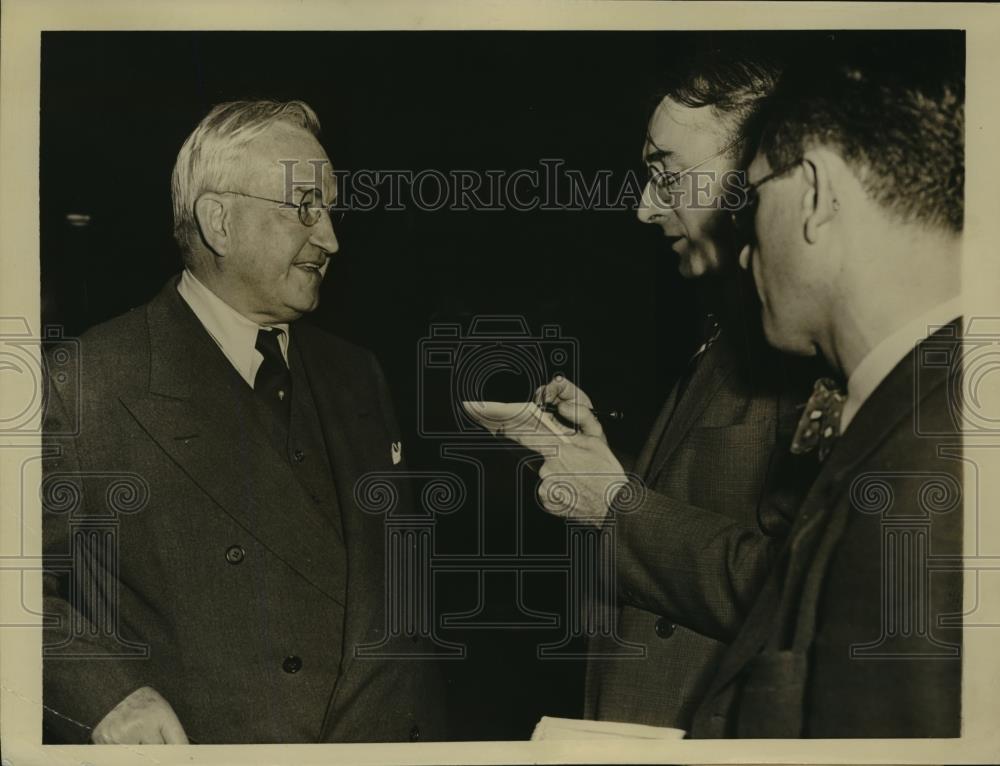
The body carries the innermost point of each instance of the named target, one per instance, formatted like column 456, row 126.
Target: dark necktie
column 273, row 382
column 819, row 425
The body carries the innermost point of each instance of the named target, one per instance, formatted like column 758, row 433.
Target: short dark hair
column 730, row 71
column 892, row 103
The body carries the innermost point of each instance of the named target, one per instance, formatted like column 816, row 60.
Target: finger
column 549, row 423
column 581, row 416
column 539, row 395
column 172, row 731
column 138, row 728
column 539, row 440
column 110, row 731
column 150, row 735
column 564, row 390
column 558, row 495
column 545, row 498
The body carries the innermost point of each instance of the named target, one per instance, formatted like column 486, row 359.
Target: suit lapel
column 677, row 417
column 202, row 414
column 352, row 438
column 781, row 597
column 645, row 459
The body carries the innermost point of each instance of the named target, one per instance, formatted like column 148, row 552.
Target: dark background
column 116, row 107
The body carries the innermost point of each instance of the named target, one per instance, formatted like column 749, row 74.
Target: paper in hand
column 524, row 422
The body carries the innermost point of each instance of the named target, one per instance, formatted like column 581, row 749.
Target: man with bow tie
column 849, row 625
column 853, row 221
column 232, row 604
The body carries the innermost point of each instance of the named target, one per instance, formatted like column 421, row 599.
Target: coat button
column 298, row 456
column 235, row 554
column 414, row 734
column 292, row 664
column 664, row 628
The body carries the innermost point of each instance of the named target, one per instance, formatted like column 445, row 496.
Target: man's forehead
column 284, row 149
column 687, row 133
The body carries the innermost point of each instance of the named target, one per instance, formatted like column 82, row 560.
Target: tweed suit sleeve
column 697, row 567
column 82, row 681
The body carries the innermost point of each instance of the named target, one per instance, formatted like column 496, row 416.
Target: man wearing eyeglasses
column 719, row 449
column 233, row 602
column 854, row 222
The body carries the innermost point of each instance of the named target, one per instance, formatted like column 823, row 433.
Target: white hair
column 211, row 154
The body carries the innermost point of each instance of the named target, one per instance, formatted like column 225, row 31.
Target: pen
column 553, row 409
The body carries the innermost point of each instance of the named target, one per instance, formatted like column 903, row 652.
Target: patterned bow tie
column 819, row 425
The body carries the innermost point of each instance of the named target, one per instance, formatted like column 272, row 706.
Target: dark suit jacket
column 202, row 568
column 857, row 631
column 720, row 454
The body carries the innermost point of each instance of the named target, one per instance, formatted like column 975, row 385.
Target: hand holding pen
column 560, row 396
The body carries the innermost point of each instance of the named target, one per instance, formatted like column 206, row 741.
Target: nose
column 651, row 208
column 323, row 236
column 647, row 207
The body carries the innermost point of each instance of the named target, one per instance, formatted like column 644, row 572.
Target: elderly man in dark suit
column 720, row 444
column 235, row 589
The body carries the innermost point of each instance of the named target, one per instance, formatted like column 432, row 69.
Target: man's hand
column 580, row 475
column 573, row 405
column 142, row 718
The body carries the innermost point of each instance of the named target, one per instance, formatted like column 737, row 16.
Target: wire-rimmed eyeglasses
column 310, row 208
column 666, row 183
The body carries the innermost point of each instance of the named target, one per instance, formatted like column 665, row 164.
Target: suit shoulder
column 117, row 335
column 115, row 352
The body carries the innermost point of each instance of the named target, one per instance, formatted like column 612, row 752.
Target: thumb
column 581, row 416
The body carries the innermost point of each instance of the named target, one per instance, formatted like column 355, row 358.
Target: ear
column 819, row 202
column 212, row 214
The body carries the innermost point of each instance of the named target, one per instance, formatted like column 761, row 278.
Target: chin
column 691, row 268
column 303, row 304
column 698, row 264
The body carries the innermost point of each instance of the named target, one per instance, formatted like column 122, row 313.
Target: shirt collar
column 235, row 334
column 883, row 358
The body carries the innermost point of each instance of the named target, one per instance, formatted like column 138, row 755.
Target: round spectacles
column 667, row 183
column 310, row 208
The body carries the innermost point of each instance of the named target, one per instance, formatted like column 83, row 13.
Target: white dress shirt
column 234, row 333
column 882, row 359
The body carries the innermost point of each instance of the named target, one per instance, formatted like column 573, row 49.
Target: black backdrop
column 116, row 107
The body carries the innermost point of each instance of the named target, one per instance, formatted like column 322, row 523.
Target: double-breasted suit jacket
column 719, row 451
column 185, row 552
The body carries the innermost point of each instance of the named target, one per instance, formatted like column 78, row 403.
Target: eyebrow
column 658, row 155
